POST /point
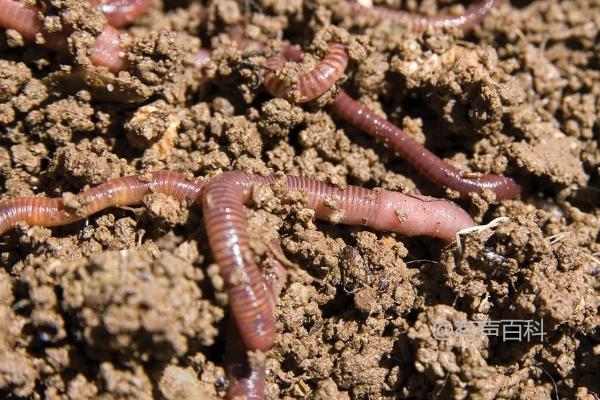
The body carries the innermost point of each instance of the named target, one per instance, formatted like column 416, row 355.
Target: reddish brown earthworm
column 225, row 220
column 430, row 165
column 466, row 21
column 24, row 19
column 364, row 119
column 120, row 13
column 107, row 50
column 247, row 377
column 129, row 190
column 309, row 85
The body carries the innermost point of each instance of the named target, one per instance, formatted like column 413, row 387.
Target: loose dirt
column 129, row 304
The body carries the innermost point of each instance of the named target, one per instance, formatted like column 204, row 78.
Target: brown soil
column 129, row 304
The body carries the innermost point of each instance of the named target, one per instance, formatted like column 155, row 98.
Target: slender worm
column 124, row 191
column 246, row 377
column 107, row 50
column 362, row 118
column 253, row 296
column 309, row 85
column 120, row 13
column 228, row 237
column 472, row 16
column 430, row 165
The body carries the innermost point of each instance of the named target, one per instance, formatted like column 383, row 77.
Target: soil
column 129, row 304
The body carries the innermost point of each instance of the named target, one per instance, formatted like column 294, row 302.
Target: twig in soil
column 551, row 378
column 594, row 259
column 559, row 237
column 251, row 5
column 424, row 260
column 492, row 224
column 439, row 392
column 255, row 53
column 276, row 252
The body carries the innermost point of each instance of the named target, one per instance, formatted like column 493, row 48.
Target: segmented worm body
column 309, row 85
column 42, row 211
column 228, row 237
column 107, row 50
column 120, row 13
column 362, row 118
column 24, row 19
column 247, row 377
column 417, row 155
column 472, row 16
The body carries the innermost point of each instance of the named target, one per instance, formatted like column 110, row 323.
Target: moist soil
column 128, row 304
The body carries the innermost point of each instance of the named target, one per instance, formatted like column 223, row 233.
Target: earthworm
column 417, row 155
column 362, row 118
column 228, row 237
column 246, row 377
column 472, row 16
column 120, row 13
column 123, row 191
column 309, row 85
column 107, row 50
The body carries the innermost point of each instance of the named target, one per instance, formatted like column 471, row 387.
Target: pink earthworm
column 364, row 119
column 107, row 51
column 309, row 85
column 224, row 217
column 120, row 13
column 246, row 377
column 466, row 21
column 42, row 211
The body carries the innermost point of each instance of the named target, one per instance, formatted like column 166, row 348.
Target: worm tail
column 247, row 377
column 41, row 211
column 418, row 156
